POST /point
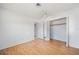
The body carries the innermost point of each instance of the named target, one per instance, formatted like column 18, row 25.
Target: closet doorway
column 59, row 30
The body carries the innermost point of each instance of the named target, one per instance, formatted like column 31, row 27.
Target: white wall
column 15, row 28
column 73, row 25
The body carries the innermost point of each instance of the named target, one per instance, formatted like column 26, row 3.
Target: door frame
column 35, row 31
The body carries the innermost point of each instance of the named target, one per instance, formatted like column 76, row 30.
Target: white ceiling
column 37, row 12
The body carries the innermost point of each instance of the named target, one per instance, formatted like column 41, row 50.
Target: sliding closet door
column 58, row 29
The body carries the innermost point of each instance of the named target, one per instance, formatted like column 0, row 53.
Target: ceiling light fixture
column 38, row 4
column 44, row 10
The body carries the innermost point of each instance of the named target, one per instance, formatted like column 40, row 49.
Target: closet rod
column 58, row 24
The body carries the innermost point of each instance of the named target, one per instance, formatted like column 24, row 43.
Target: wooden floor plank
column 40, row 47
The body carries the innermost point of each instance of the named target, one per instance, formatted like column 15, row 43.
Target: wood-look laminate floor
column 40, row 47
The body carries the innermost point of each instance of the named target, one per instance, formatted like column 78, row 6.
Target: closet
column 58, row 29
